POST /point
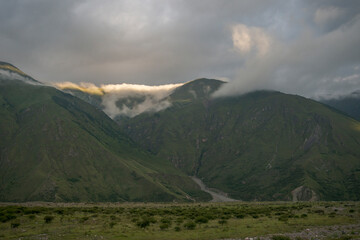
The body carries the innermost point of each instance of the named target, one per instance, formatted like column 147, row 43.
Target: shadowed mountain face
column 56, row 147
column 259, row 146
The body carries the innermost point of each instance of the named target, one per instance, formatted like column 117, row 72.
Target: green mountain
column 349, row 104
column 259, row 146
column 56, row 147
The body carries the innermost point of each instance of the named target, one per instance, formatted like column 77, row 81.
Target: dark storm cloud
column 304, row 47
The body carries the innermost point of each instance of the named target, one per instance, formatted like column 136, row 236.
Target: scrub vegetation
column 276, row 220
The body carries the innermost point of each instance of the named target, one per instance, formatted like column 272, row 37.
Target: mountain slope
column 55, row 147
column 10, row 71
column 262, row 145
column 348, row 104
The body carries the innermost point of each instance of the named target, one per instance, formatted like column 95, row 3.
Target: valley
column 259, row 146
column 180, row 120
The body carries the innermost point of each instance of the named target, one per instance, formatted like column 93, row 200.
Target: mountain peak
column 8, row 70
column 197, row 89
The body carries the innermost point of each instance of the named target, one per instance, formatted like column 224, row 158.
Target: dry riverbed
column 217, row 195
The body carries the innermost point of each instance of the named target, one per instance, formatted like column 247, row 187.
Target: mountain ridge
column 258, row 146
column 11, row 69
column 56, row 147
column 263, row 145
column 348, row 104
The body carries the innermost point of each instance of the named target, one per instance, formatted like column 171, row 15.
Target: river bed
column 217, row 195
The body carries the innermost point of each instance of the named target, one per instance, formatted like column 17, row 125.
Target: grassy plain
column 176, row 221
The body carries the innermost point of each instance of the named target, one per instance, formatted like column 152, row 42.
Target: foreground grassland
column 180, row 221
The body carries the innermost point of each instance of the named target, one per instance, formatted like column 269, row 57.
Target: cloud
column 126, row 99
column 248, row 39
column 352, row 78
column 325, row 16
column 310, row 65
column 295, row 46
column 89, row 88
column 6, row 74
column 133, row 41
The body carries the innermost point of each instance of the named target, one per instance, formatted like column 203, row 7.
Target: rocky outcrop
column 303, row 193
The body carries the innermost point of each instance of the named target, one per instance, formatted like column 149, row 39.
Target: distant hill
column 56, row 147
column 259, row 146
column 349, row 104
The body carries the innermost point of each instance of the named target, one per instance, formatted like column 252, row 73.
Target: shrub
column 177, row 229
column 201, row 219
column 344, row 238
column 241, row 216
column 60, row 211
column 48, row 219
column 7, row 217
column 112, row 224
column 83, row 219
column 222, row 221
column 180, row 220
column 164, row 226
column 190, row 225
column 15, row 224
column 166, row 220
column 34, row 210
column 283, row 218
column 143, row 223
column 319, row 211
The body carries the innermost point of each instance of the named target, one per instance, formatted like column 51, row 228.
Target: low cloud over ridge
column 126, row 99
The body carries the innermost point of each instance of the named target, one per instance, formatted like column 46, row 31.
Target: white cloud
column 249, row 39
column 351, row 78
column 300, row 66
column 146, row 98
column 15, row 76
column 127, row 99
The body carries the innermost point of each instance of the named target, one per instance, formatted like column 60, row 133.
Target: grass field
column 335, row 220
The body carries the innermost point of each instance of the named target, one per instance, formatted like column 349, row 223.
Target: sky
column 310, row 48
